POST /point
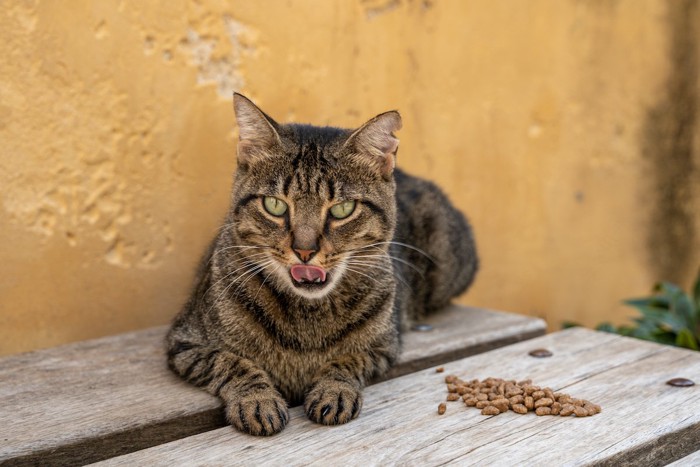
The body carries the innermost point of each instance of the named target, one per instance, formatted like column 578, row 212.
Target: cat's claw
column 333, row 403
column 259, row 416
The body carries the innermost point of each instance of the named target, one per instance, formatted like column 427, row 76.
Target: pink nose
column 305, row 255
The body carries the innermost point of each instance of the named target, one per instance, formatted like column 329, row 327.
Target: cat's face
column 313, row 206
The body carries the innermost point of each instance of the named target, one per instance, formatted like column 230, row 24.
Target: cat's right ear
column 257, row 132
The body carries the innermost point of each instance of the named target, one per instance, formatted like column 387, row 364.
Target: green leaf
column 657, row 302
column 606, row 327
column 684, row 307
column 639, row 301
column 686, row 339
column 681, row 303
column 645, row 330
column 663, row 318
column 666, row 338
column 667, row 289
column 569, row 324
column 696, row 295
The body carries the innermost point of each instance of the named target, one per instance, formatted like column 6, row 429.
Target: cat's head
column 313, row 206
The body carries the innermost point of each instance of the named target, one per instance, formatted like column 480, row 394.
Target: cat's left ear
column 374, row 142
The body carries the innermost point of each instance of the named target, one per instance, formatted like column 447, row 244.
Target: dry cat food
column 679, row 382
column 494, row 396
column 540, row 353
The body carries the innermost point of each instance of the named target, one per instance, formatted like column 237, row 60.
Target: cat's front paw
column 333, row 402
column 261, row 414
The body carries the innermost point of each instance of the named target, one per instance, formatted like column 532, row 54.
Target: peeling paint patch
column 149, row 45
column 375, row 8
column 222, row 71
column 78, row 189
column 101, row 30
column 116, row 253
column 25, row 14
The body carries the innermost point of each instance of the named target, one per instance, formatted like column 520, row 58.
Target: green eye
column 342, row 210
column 274, row 206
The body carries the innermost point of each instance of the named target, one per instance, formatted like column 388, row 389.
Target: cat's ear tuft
column 374, row 142
column 257, row 132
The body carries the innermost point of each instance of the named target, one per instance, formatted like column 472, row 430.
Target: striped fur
column 248, row 336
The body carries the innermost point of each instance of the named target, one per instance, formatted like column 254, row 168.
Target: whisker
column 230, row 224
column 400, row 260
column 267, row 276
column 362, row 274
column 384, row 254
column 243, row 248
column 333, row 302
column 405, row 245
column 220, row 280
column 370, row 262
column 252, row 274
column 256, row 255
column 383, row 268
column 246, row 263
column 249, row 271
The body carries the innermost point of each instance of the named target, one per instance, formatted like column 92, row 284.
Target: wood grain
column 691, row 460
column 643, row 422
column 97, row 399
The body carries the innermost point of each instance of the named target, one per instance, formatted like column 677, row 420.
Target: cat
column 327, row 253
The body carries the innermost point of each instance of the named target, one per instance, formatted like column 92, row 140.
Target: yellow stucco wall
column 117, row 141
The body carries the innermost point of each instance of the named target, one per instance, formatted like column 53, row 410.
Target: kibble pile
column 494, row 396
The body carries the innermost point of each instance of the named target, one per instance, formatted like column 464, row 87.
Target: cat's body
column 326, row 253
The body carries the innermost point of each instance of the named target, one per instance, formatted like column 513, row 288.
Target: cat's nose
column 305, row 241
column 305, row 255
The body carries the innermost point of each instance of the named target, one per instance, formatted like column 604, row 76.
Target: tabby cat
column 326, row 254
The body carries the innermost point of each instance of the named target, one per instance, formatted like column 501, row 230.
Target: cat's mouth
column 308, row 276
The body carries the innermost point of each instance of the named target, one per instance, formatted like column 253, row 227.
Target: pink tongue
column 306, row 273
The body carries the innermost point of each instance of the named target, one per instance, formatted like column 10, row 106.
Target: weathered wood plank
column 644, row 421
column 692, row 460
column 97, row 399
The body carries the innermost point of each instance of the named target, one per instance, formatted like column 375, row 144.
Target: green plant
column 670, row 316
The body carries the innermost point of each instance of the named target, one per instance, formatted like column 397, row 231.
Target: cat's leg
column 253, row 405
column 335, row 395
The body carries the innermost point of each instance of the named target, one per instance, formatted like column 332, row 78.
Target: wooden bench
column 102, row 398
column 644, row 421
